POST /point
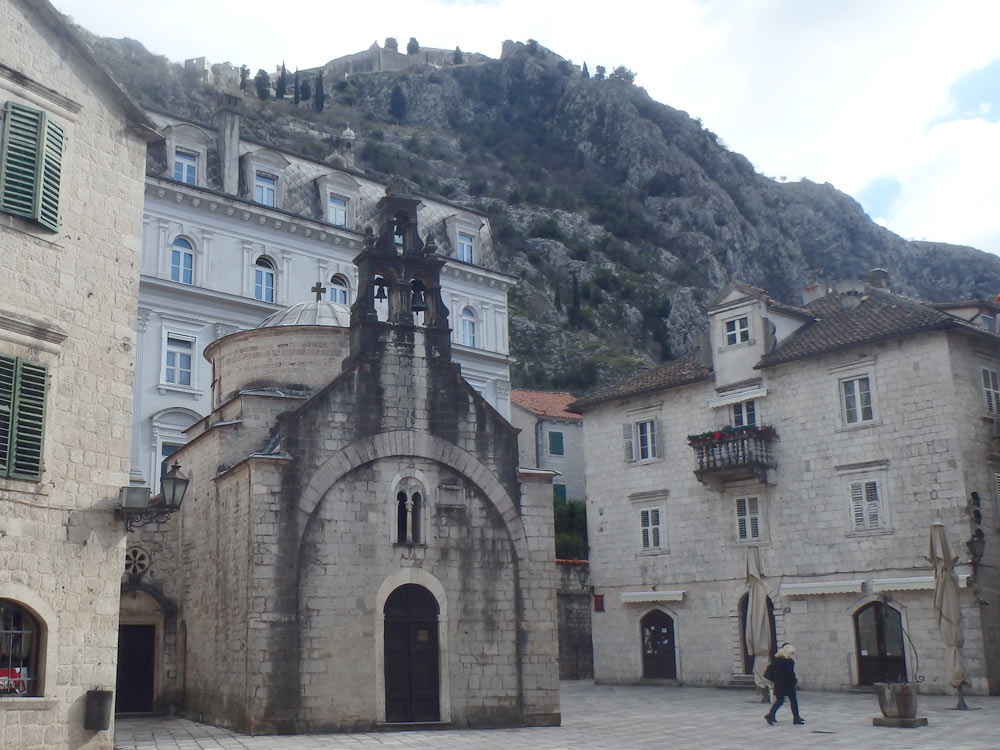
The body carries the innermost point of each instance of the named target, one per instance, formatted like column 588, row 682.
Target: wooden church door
column 412, row 683
column 658, row 660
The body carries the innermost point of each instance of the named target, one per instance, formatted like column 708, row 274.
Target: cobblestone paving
column 636, row 718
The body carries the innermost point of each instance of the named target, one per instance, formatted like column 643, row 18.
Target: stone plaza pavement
column 636, row 717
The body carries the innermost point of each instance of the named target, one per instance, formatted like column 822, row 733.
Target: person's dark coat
column 782, row 674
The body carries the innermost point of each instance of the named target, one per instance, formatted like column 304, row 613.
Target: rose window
column 136, row 561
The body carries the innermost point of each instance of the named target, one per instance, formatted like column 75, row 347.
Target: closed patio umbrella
column 947, row 609
column 758, row 625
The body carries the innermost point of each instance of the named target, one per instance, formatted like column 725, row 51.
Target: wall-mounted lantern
column 139, row 509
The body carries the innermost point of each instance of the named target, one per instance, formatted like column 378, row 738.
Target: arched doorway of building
column 412, row 683
column 747, row 656
column 658, row 654
column 878, row 630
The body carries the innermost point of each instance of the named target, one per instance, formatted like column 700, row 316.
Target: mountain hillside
column 620, row 215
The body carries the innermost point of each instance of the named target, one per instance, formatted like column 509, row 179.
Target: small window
column 465, row 247
column 408, row 511
column 338, row 211
column 744, row 414
column 263, row 279
column 991, row 391
column 649, row 527
column 265, row 189
column 866, row 505
column 177, row 368
column 20, row 642
column 468, row 327
column 856, row 400
column 640, row 440
column 185, row 167
column 23, row 386
column 748, row 525
column 555, row 443
column 182, row 261
column 737, row 331
column 31, row 165
column 338, row 290
column 559, row 492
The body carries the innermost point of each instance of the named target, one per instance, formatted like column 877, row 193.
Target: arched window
column 182, row 261
column 339, row 291
column 20, row 644
column 408, row 510
column 263, row 279
column 468, row 327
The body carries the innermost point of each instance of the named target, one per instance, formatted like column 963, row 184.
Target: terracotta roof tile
column 545, row 403
column 679, row 372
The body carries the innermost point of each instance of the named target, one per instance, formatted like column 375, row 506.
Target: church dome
column 310, row 313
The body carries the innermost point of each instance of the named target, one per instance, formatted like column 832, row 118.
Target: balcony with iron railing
column 733, row 454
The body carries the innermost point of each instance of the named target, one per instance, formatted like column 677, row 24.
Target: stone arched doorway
column 881, row 654
column 412, row 680
column 659, row 660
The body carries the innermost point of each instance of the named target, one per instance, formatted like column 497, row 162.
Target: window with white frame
column 337, row 212
column 640, row 440
column 866, row 505
column 468, row 327
column 265, row 189
column 991, row 390
column 465, row 247
column 748, row 519
column 182, row 261
column 263, row 279
column 339, row 290
column 177, row 359
column 737, row 331
column 650, row 530
column 556, row 447
column 185, row 167
column 856, row 400
column 744, row 413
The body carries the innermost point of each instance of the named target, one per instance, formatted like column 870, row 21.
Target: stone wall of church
column 576, row 647
column 69, row 302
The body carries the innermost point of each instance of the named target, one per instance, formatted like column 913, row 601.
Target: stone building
column 551, row 438
column 358, row 546
column 830, row 437
column 73, row 146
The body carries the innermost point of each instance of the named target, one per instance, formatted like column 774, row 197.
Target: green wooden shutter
column 28, row 419
column 8, row 370
column 31, row 165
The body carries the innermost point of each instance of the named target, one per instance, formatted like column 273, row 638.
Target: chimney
column 227, row 125
column 878, row 278
column 814, row 290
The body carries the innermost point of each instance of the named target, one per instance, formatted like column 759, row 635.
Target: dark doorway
column 136, row 660
column 881, row 656
column 658, row 660
column 411, row 655
column 747, row 656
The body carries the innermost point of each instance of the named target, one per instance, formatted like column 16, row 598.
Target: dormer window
column 186, row 167
column 337, row 214
column 265, row 189
column 737, row 331
column 465, row 247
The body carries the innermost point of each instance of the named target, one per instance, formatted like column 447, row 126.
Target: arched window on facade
column 263, row 279
column 20, row 646
column 182, row 261
column 409, row 506
column 339, row 290
column 468, row 327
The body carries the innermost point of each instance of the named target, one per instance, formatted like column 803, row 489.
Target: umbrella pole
column 961, row 699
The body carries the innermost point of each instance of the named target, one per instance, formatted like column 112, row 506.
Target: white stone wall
column 928, row 447
column 61, row 548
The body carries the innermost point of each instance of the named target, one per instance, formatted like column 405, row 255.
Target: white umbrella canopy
column 758, row 624
column 947, row 609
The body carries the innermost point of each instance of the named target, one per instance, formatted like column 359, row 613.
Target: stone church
column 357, row 546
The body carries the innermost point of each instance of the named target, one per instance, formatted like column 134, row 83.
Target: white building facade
column 830, row 438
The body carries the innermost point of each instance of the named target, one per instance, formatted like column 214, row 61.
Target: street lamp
column 139, row 509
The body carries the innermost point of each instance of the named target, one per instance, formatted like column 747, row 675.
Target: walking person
column 781, row 671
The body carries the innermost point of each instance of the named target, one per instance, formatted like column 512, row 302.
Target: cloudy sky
column 896, row 102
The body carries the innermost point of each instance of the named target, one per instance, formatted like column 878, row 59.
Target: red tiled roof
column 670, row 375
column 545, row 403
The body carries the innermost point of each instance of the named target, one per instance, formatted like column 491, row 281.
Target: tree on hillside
column 282, row 86
column 586, row 73
column 391, row 44
column 319, row 96
column 297, row 93
column 397, row 103
column 599, row 72
column 262, row 81
column 244, row 77
column 457, row 58
column 412, row 47
column 621, row 73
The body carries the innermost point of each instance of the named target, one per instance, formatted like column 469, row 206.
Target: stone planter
column 898, row 703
